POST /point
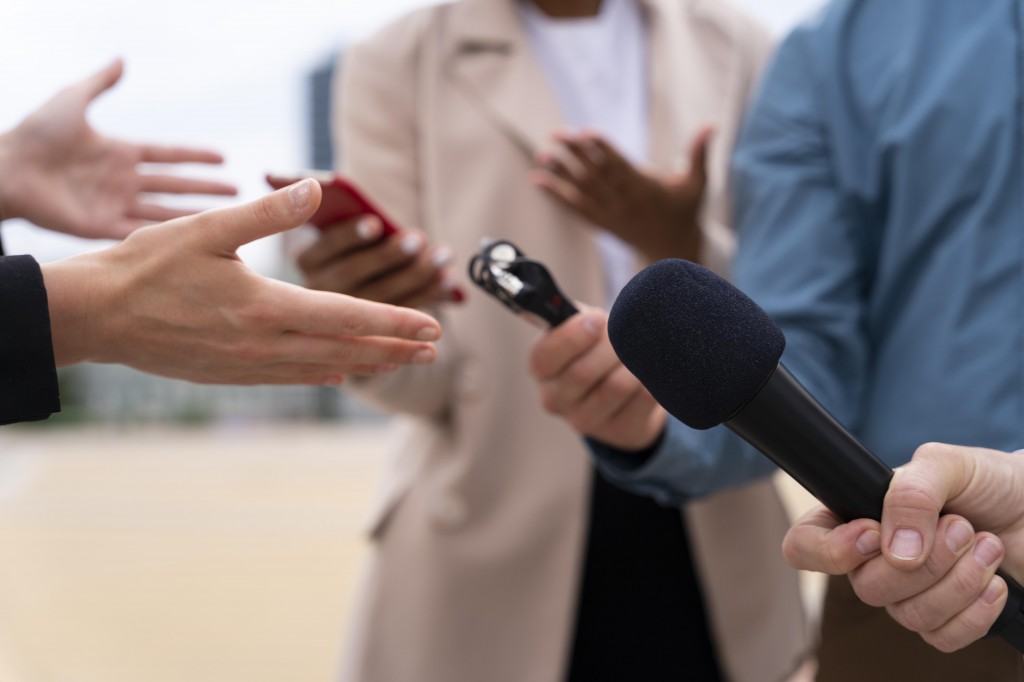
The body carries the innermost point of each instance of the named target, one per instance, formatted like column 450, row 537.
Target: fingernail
column 332, row 381
column 458, row 295
column 957, row 536
column 411, row 244
column 442, row 256
column 869, row 542
column 429, row 334
column 299, row 194
column 368, row 227
column 993, row 591
column 906, row 544
column 423, row 357
column 592, row 324
column 987, row 552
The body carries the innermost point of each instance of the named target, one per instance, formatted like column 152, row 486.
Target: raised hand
column 59, row 173
column 658, row 214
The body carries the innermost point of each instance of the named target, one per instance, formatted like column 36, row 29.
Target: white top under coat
column 597, row 68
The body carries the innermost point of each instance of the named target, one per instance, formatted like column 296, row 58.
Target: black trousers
column 640, row 616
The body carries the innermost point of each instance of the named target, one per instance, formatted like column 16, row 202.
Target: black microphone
column 710, row 355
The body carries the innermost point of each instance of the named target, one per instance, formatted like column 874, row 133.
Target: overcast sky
column 228, row 74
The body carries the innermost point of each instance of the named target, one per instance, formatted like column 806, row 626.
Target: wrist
column 80, row 296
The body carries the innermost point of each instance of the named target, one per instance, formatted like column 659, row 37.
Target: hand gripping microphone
column 709, row 355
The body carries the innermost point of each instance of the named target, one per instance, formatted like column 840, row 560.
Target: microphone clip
column 523, row 285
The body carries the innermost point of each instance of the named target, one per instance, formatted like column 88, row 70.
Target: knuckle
column 580, row 422
column 912, row 495
column 911, row 616
column 578, row 374
column 263, row 211
column 868, row 592
column 932, row 451
column 942, row 641
column 549, row 401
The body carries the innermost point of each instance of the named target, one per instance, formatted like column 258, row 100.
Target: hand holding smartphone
column 363, row 252
column 342, row 199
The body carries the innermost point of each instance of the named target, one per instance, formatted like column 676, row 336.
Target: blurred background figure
column 157, row 530
column 529, row 566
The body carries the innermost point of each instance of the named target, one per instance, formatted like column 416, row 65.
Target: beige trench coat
column 480, row 521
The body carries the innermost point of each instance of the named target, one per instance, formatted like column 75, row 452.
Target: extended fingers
column 155, row 153
column 173, row 184
column 329, row 314
column 818, row 541
column 351, row 354
column 102, row 80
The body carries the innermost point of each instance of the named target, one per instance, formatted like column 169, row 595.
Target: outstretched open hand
column 63, row 175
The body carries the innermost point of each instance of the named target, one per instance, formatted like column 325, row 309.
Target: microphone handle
column 786, row 424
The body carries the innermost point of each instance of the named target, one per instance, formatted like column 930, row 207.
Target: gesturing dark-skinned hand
column 658, row 214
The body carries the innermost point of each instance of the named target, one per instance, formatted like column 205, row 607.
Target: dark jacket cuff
column 28, row 372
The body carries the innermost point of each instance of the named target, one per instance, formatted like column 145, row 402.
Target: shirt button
column 450, row 513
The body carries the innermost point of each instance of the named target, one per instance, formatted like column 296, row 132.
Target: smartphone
column 342, row 199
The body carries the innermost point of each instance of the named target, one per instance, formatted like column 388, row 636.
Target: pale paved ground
column 217, row 555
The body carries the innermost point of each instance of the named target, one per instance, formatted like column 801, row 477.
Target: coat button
column 450, row 512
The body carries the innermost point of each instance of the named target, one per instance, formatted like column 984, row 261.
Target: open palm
column 70, row 178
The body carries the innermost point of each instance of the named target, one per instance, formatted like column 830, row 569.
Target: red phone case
column 342, row 199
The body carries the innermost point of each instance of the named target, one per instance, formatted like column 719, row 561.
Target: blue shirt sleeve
column 800, row 258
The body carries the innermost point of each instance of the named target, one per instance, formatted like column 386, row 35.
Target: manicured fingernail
column 411, row 244
column 906, row 544
column 958, row 535
column 987, row 552
column 458, row 295
column 299, row 193
column 592, row 324
column 428, row 334
column 993, row 591
column 368, row 227
column 423, row 357
column 442, row 256
column 869, row 542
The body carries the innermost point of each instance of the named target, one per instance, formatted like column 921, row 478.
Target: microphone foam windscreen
column 699, row 345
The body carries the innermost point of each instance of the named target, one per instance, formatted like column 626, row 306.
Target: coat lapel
column 489, row 58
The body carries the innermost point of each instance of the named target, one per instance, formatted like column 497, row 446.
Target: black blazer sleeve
column 28, row 373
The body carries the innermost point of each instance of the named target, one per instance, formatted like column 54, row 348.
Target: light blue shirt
column 880, row 203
